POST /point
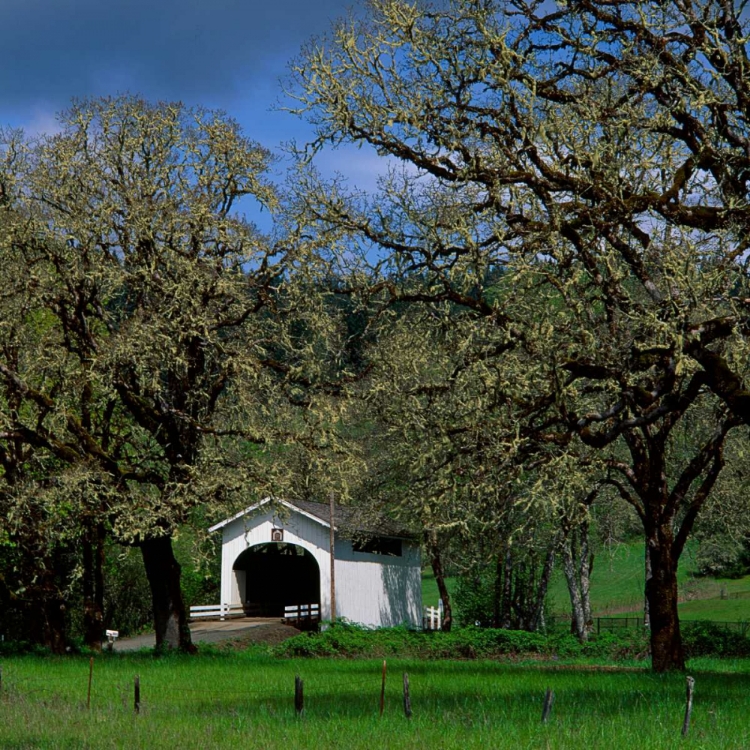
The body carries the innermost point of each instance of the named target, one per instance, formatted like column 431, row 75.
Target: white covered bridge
column 276, row 556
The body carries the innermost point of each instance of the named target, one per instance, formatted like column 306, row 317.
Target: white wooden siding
column 378, row 590
column 373, row 590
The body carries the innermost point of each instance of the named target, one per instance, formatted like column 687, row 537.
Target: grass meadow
column 246, row 699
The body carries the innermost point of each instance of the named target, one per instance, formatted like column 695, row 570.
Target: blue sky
column 228, row 54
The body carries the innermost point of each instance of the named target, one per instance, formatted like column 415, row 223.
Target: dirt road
column 216, row 631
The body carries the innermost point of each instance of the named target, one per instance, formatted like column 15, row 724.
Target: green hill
column 617, row 586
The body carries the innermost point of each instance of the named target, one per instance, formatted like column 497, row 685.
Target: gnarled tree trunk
column 163, row 573
column 646, row 608
column 433, row 550
column 506, row 610
column 536, row 620
column 577, row 570
column 668, row 511
column 578, row 618
column 47, row 623
column 93, row 587
column 661, row 592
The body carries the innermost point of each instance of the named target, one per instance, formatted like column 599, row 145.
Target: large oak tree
column 594, row 155
column 157, row 351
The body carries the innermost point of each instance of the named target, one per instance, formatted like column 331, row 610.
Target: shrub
column 709, row 639
column 462, row 643
column 473, row 600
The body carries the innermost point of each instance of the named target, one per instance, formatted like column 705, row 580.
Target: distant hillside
column 617, row 588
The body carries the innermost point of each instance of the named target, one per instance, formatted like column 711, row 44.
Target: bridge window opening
column 378, row 545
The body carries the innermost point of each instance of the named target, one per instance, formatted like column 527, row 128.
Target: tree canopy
column 546, row 293
column 148, row 346
column 594, row 155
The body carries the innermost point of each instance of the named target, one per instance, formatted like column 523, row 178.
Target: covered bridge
column 276, row 554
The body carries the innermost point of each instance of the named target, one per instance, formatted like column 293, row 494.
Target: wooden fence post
column 549, row 699
column 407, row 697
column 299, row 696
column 382, row 692
column 137, row 694
column 91, row 675
column 688, row 705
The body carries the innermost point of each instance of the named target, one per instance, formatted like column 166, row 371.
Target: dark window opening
column 378, row 545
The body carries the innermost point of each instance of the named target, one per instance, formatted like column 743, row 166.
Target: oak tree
column 161, row 350
column 592, row 154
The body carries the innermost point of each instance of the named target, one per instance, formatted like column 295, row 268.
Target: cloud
column 198, row 51
column 40, row 121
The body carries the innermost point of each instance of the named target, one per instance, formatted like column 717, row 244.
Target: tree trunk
column 47, row 625
column 93, row 587
column 577, row 565
column 163, row 573
column 574, row 590
column 54, row 624
column 437, row 569
column 518, row 617
column 497, row 594
column 646, row 613
column 537, row 618
column 661, row 593
column 659, row 506
column 505, row 616
column 584, row 575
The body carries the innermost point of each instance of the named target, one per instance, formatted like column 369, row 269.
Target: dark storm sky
column 217, row 53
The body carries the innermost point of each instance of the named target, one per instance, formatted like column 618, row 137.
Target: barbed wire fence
column 97, row 688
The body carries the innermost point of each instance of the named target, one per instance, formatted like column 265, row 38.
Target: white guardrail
column 298, row 612
column 212, row 611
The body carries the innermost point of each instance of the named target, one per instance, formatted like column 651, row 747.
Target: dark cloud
column 200, row 51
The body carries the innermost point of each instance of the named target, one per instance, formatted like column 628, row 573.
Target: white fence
column 432, row 617
column 213, row 611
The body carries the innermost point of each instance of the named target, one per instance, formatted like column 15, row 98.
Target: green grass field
column 246, row 700
column 617, row 589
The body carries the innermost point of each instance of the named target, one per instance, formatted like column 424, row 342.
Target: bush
column 462, row 643
column 709, row 639
column 473, row 600
column 349, row 640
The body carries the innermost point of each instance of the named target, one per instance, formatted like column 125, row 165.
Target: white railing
column 432, row 618
column 212, row 611
column 299, row 612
